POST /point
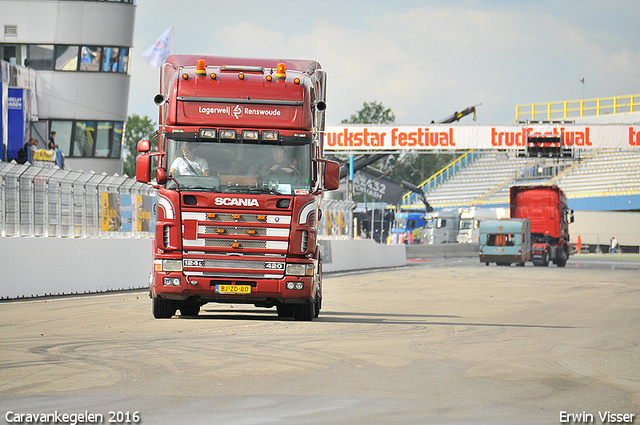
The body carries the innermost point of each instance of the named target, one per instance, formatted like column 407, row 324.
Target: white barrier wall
column 359, row 254
column 36, row 267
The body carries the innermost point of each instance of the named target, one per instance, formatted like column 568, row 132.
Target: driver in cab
column 281, row 165
column 189, row 164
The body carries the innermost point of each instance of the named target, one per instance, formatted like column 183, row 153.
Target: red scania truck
column 549, row 216
column 239, row 177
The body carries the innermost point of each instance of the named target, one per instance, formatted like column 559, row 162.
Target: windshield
column 466, row 223
column 239, row 167
column 401, row 223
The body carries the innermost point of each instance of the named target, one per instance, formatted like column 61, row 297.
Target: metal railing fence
column 49, row 202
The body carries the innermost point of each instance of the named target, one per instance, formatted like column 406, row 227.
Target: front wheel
column 163, row 308
column 304, row 312
column 562, row 261
column 285, row 310
column 189, row 309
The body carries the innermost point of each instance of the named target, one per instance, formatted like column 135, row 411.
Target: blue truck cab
column 408, row 221
column 505, row 241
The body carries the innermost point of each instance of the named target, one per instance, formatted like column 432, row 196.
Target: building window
column 111, row 59
column 84, row 138
column 90, row 57
column 15, row 54
column 124, row 60
column 89, row 139
column 40, row 56
column 66, row 58
column 104, row 139
column 116, row 139
column 64, row 130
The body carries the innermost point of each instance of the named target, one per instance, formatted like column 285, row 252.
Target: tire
column 285, row 310
column 304, row 312
column 562, row 261
column 545, row 263
column 189, row 309
column 163, row 309
column 318, row 303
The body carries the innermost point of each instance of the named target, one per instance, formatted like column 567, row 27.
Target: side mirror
column 144, row 146
column 143, row 166
column 331, row 175
column 161, row 176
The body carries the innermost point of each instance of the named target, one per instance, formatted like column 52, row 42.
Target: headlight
column 269, row 135
column 228, row 134
column 250, row 134
column 299, row 269
column 208, row 133
column 171, row 265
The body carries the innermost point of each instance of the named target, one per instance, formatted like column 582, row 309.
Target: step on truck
column 549, row 216
column 239, row 175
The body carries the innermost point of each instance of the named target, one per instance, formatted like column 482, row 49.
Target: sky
column 422, row 59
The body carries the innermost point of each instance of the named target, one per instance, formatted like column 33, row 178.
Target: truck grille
column 224, row 246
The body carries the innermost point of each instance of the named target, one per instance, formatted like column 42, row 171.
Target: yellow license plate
column 233, row 289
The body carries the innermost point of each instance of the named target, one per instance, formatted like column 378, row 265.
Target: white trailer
column 470, row 218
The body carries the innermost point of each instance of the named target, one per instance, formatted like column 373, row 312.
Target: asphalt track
column 446, row 341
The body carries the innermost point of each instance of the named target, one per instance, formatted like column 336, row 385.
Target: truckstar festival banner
column 461, row 137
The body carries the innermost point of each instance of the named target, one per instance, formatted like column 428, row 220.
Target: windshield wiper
column 199, row 189
column 265, row 190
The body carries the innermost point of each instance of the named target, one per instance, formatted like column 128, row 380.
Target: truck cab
column 239, row 178
column 441, row 227
column 408, row 222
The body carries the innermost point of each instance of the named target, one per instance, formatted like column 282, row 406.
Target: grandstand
column 596, row 180
column 487, row 180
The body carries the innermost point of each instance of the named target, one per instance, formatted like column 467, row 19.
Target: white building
column 80, row 50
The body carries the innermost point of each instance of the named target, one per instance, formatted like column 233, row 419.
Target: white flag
column 161, row 49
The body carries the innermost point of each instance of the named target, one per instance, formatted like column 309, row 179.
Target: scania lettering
column 244, row 202
column 240, row 172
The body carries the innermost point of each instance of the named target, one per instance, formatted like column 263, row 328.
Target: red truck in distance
column 239, row 178
column 547, row 210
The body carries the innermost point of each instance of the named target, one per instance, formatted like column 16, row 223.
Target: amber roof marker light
column 201, row 68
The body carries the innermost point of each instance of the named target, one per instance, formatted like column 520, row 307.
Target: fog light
column 171, row 281
column 297, row 286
